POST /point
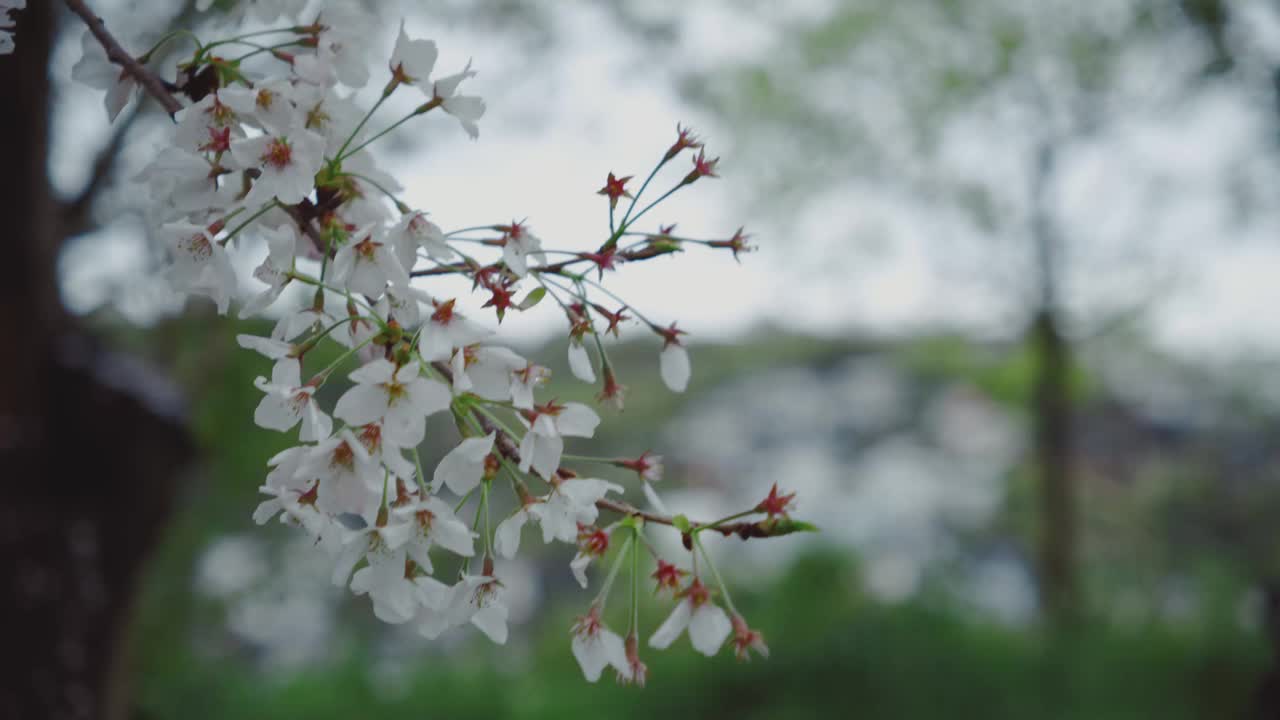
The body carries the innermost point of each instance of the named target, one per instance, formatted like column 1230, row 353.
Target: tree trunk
column 1053, row 449
column 1267, row 699
column 89, row 444
column 1054, row 452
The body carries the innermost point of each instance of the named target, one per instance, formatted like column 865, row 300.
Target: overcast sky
column 560, row 120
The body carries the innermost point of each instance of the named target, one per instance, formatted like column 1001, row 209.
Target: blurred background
column 1008, row 335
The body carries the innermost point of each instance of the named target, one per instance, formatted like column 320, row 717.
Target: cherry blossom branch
column 149, row 81
column 507, row 447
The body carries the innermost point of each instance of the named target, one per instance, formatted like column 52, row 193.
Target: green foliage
column 1007, row 377
column 836, row 653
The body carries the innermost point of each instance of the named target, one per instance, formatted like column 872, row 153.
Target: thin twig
column 506, row 446
column 149, row 81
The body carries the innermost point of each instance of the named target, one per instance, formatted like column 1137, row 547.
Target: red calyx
column 776, row 504
column 615, row 188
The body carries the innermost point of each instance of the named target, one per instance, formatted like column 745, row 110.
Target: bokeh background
column 1009, row 335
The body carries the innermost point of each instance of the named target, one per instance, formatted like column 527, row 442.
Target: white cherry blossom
column 287, row 402
column 415, row 231
column 365, row 264
column 399, row 396
column 200, row 263
column 570, row 504
column 268, row 106
column 412, row 60
column 282, row 248
column 707, row 623
column 351, row 480
column 378, row 542
column 462, row 468
column 477, row 599
column 518, row 245
column 434, row 523
column 287, row 162
column 447, row 330
column 485, row 370
column 596, row 647
column 466, row 108
column 559, row 513
column 96, row 71
column 549, row 424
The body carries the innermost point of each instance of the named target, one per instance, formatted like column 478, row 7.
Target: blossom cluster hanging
column 269, row 143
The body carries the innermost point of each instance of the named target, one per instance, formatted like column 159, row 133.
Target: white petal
column 416, row 57
column 674, row 365
column 429, row 396
column 513, row 256
column 492, row 621
column 390, row 267
column 708, row 628
column 580, row 362
column 276, row 412
column 463, row 467
column 352, row 553
column 671, row 628
column 361, row 405
column 578, row 566
column 461, row 379
column 615, row 650
column 577, row 420
column 366, row 278
column 379, row 370
column 463, row 332
column 506, row 539
column 433, row 593
column 396, row 534
column 273, row 349
column 266, row 510
column 316, row 425
column 591, row 654
column 435, row 343
column 450, row 532
column 528, row 444
column 541, row 453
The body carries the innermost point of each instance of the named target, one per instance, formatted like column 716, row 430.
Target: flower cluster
column 270, row 149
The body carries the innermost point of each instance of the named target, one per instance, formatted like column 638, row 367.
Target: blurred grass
column 835, row 654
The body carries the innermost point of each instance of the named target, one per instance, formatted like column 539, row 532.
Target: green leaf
column 681, row 523
column 533, row 298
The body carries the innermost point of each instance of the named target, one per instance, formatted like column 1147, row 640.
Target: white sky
column 556, row 124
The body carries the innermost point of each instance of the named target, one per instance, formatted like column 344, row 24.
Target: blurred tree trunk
column 87, row 456
column 1267, row 700
column 1052, row 411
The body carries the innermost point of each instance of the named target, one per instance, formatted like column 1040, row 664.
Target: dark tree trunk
column 1052, row 413
column 1267, row 701
column 1053, row 449
column 89, row 444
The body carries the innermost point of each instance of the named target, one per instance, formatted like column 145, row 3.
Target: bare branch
column 148, row 80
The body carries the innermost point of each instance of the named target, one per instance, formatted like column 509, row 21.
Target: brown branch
column 507, row 447
column 645, row 253
column 149, row 81
column 304, row 224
